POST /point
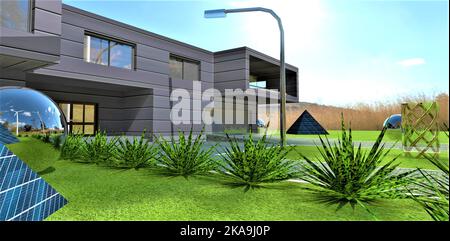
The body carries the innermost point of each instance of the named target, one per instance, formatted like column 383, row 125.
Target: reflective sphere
column 27, row 111
column 394, row 124
column 260, row 123
column 393, row 121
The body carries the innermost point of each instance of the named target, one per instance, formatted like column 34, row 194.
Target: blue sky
column 347, row 51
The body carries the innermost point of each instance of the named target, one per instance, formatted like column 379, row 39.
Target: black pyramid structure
column 306, row 124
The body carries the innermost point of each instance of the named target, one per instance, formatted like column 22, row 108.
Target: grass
column 358, row 135
column 99, row 193
column 407, row 162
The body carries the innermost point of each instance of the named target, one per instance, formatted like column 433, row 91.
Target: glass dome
column 27, row 111
column 393, row 121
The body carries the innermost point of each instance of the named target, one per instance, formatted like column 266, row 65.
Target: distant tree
column 27, row 127
column 6, row 124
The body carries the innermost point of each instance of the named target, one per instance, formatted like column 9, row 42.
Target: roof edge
column 130, row 27
column 256, row 54
column 147, row 32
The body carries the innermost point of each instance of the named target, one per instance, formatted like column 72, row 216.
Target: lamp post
column 221, row 13
column 40, row 119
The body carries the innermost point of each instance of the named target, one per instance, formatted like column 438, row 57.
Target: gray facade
column 49, row 58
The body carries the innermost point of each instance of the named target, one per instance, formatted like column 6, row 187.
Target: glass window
column 89, row 113
column 107, row 52
column 80, row 117
column 77, row 129
column 190, row 71
column 176, row 68
column 258, row 85
column 89, row 129
column 121, row 55
column 15, row 14
column 184, row 69
column 77, row 113
column 96, row 50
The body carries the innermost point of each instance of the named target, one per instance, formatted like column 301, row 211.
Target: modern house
column 107, row 75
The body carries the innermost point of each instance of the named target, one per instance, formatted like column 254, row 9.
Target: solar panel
column 24, row 196
column 6, row 137
column 306, row 124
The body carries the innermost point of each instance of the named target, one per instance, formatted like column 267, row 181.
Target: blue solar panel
column 24, row 196
column 6, row 137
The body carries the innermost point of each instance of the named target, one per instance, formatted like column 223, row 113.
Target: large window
column 108, row 52
column 184, row 69
column 15, row 14
column 81, row 117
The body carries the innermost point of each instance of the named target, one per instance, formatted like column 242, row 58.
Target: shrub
column 185, row 157
column 98, row 149
column 45, row 138
column 256, row 163
column 433, row 194
column 137, row 154
column 349, row 175
column 72, row 146
column 56, row 140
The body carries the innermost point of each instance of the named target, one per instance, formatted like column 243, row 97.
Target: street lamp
column 221, row 13
column 40, row 119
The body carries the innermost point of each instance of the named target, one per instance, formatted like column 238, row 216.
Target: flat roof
column 257, row 54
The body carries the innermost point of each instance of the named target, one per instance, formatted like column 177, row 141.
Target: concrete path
column 314, row 141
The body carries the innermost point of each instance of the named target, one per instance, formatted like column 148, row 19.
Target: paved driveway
column 314, row 141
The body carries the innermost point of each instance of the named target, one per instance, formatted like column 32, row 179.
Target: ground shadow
column 46, row 171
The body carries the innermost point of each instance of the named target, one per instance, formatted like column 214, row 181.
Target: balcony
column 265, row 75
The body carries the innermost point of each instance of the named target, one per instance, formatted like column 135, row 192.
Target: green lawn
column 99, row 193
column 391, row 135
column 410, row 162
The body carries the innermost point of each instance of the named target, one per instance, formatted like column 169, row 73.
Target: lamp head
column 215, row 13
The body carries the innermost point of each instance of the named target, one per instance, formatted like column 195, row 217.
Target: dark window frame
column 185, row 59
column 117, row 40
column 71, row 123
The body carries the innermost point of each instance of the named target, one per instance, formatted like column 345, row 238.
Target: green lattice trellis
column 420, row 129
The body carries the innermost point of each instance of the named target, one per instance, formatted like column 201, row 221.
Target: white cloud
column 26, row 113
column 411, row 62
